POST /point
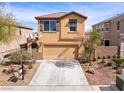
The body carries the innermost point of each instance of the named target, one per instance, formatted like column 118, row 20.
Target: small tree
column 8, row 25
column 90, row 44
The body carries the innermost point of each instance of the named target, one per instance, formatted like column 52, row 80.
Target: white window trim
column 49, row 25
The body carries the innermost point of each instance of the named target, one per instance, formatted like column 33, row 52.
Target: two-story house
column 113, row 32
column 62, row 34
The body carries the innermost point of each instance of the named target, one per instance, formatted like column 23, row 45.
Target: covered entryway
column 34, row 47
column 60, row 52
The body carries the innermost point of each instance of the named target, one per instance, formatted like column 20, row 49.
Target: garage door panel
column 60, row 52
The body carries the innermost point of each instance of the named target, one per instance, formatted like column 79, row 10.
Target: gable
column 74, row 13
column 79, row 18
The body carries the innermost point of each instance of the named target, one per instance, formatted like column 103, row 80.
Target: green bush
column 17, row 57
column 118, row 61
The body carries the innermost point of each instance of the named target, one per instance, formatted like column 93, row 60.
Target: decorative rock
column 109, row 63
column 114, row 65
column 30, row 66
column 103, row 61
column 7, row 70
column 119, row 71
column 90, row 70
column 16, row 74
column 13, row 78
column 123, row 71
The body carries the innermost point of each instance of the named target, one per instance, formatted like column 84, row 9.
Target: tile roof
column 23, row 25
column 58, row 15
column 53, row 15
column 118, row 16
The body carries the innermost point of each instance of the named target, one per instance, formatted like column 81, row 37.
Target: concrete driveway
column 59, row 72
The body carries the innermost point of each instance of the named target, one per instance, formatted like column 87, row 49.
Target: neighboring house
column 113, row 32
column 61, row 35
column 21, row 40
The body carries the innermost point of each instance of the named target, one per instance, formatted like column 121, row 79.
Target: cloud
column 96, row 12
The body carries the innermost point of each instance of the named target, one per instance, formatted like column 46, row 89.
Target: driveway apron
column 59, row 72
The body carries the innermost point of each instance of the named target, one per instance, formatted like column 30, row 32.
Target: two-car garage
column 60, row 52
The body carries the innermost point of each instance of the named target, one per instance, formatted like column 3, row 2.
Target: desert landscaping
column 101, row 72
column 5, row 76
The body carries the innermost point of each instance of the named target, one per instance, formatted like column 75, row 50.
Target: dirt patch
column 27, row 78
column 104, row 75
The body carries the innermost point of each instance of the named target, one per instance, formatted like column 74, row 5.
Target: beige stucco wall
column 60, row 52
column 113, row 35
column 62, row 37
column 65, row 31
column 15, row 44
column 106, row 51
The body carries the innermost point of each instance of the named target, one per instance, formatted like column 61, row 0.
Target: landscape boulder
column 90, row 70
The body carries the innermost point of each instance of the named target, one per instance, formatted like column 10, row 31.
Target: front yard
column 104, row 75
column 27, row 77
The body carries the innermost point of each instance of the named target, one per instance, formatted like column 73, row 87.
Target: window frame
column 105, row 40
column 49, row 26
column 70, row 26
column 118, row 25
column 107, row 26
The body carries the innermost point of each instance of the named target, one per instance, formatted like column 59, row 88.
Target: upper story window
column 49, row 25
column 102, row 27
column 107, row 27
column 99, row 27
column 73, row 24
column 118, row 25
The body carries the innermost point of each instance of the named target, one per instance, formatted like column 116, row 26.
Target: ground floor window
column 106, row 42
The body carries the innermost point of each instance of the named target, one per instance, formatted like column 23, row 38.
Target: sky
column 95, row 11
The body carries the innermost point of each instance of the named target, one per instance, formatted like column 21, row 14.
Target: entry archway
column 34, row 47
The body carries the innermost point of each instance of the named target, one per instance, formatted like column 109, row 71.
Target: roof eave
column 75, row 13
column 61, row 16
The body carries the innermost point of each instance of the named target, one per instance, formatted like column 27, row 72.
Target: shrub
column 94, row 59
column 118, row 61
column 8, row 70
column 13, row 78
column 103, row 57
column 103, row 61
column 17, row 57
column 118, row 56
column 119, row 71
column 30, row 66
column 98, row 57
column 108, row 57
column 109, row 63
column 114, row 56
